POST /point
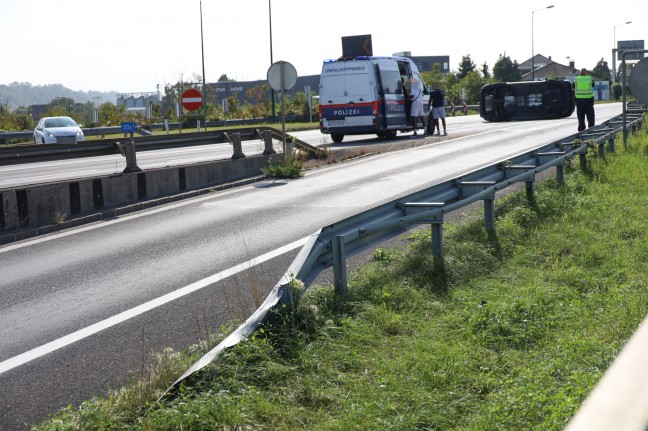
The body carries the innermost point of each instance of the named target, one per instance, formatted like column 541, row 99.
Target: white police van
column 364, row 95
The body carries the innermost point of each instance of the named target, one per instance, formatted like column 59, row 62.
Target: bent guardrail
column 332, row 244
column 47, row 152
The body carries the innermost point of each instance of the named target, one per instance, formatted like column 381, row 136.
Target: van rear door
column 346, row 95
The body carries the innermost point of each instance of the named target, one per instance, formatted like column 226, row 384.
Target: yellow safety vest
column 583, row 87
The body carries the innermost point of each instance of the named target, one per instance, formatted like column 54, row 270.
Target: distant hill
column 19, row 94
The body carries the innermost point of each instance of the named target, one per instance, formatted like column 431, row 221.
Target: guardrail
column 5, row 137
column 331, row 245
column 47, row 152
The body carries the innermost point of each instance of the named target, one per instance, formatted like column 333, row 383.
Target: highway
column 82, row 310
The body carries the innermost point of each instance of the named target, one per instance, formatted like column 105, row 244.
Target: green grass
column 512, row 336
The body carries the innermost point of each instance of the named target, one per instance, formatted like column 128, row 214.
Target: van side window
column 391, row 82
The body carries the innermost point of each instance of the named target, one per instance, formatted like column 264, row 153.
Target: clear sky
column 134, row 45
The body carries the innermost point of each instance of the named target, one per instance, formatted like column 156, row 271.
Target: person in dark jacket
column 436, row 108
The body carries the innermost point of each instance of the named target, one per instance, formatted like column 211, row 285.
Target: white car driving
column 57, row 130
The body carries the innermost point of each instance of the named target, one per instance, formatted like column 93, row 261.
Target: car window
column 60, row 122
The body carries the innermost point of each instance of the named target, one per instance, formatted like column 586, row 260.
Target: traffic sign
column 129, row 126
column 282, row 76
column 192, row 99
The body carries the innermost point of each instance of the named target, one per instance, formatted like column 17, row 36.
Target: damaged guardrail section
column 332, row 244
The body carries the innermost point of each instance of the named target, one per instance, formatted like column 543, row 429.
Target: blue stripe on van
column 332, row 112
column 395, row 106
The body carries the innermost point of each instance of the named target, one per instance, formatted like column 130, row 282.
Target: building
column 138, row 100
column 545, row 68
column 425, row 63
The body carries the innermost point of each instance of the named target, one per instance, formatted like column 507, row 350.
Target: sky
column 132, row 46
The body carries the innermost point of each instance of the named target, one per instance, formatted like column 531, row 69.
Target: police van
column 366, row 95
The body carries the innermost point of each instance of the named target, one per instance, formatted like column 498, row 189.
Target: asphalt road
column 83, row 310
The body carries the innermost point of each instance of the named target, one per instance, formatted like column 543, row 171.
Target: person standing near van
column 415, row 92
column 583, row 91
column 436, row 108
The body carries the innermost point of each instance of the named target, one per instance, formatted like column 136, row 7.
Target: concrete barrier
column 29, row 211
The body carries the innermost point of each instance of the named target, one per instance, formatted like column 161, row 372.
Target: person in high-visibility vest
column 583, row 91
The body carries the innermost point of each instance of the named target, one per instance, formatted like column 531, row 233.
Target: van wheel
column 337, row 138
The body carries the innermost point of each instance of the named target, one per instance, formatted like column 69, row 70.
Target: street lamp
column 271, row 62
column 202, row 47
column 614, row 50
column 532, row 48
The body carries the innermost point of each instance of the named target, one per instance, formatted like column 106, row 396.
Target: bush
column 617, row 90
column 287, row 167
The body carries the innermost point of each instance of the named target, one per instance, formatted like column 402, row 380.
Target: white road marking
column 52, row 346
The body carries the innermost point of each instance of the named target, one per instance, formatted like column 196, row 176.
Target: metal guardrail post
column 530, row 189
column 436, row 223
column 238, row 147
column 437, row 243
column 560, row 168
column 560, row 174
column 128, row 150
column 469, row 188
column 582, row 158
column 611, row 143
column 529, row 182
column 339, row 266
column 489, row 214
column 267, row 139
column 601, row 149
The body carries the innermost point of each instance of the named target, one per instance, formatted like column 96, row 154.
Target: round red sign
column 192, row 99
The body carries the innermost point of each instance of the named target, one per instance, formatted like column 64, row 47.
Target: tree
column 224, row 78
column 433, row 75
column 506, row 70
column 466, row 66
column 485, row 72
column 601, row 70
column 472, row 84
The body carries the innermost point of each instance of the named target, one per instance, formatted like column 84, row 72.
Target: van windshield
column 391, row 82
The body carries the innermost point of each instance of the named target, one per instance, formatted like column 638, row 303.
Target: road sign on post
column 192, row 99
column 282, row 76
column 128, row 126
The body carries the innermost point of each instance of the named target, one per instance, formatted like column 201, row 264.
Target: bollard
column 267, row 138
column 238, row 147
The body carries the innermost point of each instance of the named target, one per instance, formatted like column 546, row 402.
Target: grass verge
column 513, row 335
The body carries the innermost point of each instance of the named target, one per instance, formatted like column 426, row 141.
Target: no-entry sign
column 192, row 99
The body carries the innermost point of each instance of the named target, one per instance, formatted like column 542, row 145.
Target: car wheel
column 337, row 138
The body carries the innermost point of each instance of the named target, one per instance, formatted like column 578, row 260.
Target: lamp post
column 271, row 62
column 202, row 47
column 614, row 50
column 532, row 47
